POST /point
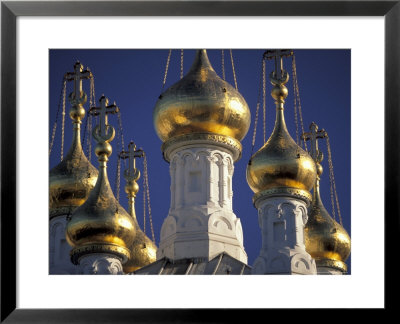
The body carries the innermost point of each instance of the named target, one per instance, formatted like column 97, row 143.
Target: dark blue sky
column 133, row 79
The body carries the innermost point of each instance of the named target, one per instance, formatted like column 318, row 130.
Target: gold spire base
column 122, row 253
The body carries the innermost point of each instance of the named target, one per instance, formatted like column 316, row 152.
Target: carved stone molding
column 100, row 264
column 226, row 142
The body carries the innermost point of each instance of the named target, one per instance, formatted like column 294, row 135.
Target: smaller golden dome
column 201, row 102
column 71, row 181
column 101, row 225
column 143, row 250
column 325, row 239
column 280, row 163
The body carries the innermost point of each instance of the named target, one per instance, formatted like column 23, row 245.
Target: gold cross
column 131, row 154
column 278, row 56
column 77, row 76
column 103, row 134
column 313, row 135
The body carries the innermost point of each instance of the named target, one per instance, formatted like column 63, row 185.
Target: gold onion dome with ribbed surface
column 101, row 225
column 71, row 181
column 325, row 239
column 201, row 102
column 281, row 165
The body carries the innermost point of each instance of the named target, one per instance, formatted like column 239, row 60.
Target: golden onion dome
column 325, row 239
column 143, row 250
column 201, row 102
column 280, row 164
column 101, row 225
column 71, row 181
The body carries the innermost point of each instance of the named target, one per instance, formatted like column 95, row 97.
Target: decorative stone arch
column 299, row 263
column 218, row 158
column 220, row 224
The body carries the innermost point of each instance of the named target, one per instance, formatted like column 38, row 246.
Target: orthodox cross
column 278, row 56
column 131, row 154
column 77, row 76
column 313, row 135
column 101, row 131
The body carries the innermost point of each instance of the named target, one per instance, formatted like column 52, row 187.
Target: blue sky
column 133, row 79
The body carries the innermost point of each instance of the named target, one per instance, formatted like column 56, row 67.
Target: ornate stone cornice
column 229, row 143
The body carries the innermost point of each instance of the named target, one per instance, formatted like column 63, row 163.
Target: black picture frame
column 10, row 10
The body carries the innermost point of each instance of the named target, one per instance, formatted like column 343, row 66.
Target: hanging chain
column 118, row 176
column 233, row 70
column 118, row 169
column 121, row 133
column 264, row 101
column 223, row 64
column 147, row 189
column 297, row 94
column 166, row 69
column 89, row 138
column 295, row 104
column 120, row 148
column 53, row 133
column 332, row 178
column 83, row 140
column 63, row 124
column 253, row 142
column 144, row 203
column 93, row 95
column 90, row 121
column 181, row 63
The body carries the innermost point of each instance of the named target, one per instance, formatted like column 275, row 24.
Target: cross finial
column 77, row 76
column 132, row 173
column 313, row 135
column 104, row 132
column 279, row 74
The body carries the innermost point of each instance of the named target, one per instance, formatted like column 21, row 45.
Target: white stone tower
column 281, row 175
column 201, row 120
